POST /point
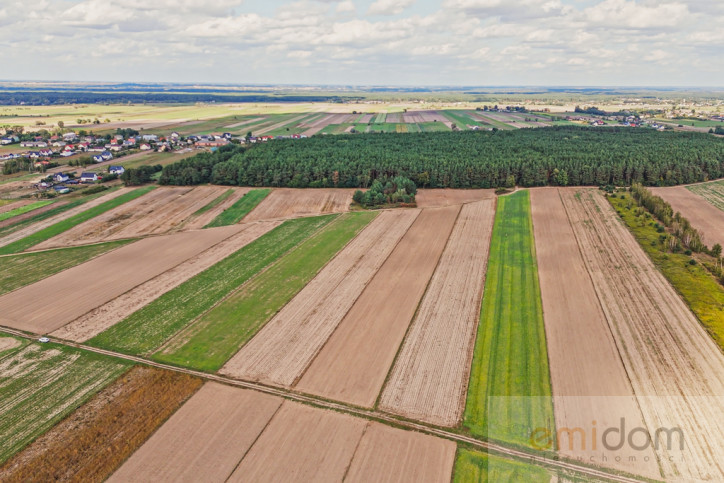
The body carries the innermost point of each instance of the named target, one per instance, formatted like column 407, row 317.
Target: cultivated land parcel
column 300, row 340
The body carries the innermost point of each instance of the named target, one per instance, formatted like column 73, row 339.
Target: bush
column 393, row 190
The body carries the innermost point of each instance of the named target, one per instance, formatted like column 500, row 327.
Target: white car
column 43, row 340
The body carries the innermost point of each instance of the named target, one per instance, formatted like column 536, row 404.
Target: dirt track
column 587, row 374
column 285, row 203
column 283, row 349
column 101, row 318
column 675, row 368
column 36, row 227
column 704, row 216
column 445, row 197
column 429, row 379
column 51, row 303
column 160, row 211
column 208, row 436
column 353, row 364
column 390, row 454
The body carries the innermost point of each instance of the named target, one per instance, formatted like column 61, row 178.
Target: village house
column 88, row 178
column 119, row 170
column 60, row 177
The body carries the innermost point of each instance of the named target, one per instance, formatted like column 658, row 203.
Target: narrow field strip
column 302, row 443
column 478, row 466
column 96, row 438
column 588, row 377
column 57, row 214
column 509, row 391
column 26, row 268
column 101, row 318
column 283, row 349
column 68, row 223
column 390, row 454
column 147, row 329
column 353, row 364
column 23, row 209
column 429, row 380
column 236, row 212
column 205, row 215
column 218, row 334
column 21, row 222
column 40, row 385
column 208, row 436
column 676, row 369
column 51, row 303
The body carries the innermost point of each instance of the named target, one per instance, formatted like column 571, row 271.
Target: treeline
column 140, row 175
column 560, row 155
column 683, row 233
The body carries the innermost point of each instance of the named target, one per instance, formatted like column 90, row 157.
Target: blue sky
column 367, row 42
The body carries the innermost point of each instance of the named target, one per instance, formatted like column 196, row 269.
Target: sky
column 366, row 42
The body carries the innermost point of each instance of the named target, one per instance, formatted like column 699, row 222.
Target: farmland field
column 96, row 438
column 26, row 268
column 236, row 212
column 429, row 378
column 36, row 239
column 275, row 354
column 701, row 205
column 212, row 339
column 148, row 328
column 23, row 209
column 288, row 203
column 39, row 386
column 509, row 392
column 474, row 466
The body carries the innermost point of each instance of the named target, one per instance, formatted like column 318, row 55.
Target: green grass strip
column 701, row 292
column 509, row 395
column 18, row 225
column 214, row 203
column 474, row 466
column 236, row 212
column 24, row 209
column 26, row 268
column 219, row 334
column 67, row 224
column 42, row 384
column 712, row 192
column 148, row 328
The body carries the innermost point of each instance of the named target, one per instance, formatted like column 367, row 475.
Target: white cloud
column 389, row 7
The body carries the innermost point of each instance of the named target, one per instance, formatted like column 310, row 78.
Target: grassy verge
column 95, row 439
column 41, row 384
column 240, row 209
column 147, row 329
column 700, row 290
column 214, row 203
column 219, row 334
column 474, row 466
column 23, row 209
column 27, row 268
column 509, row 395
column 67, row 224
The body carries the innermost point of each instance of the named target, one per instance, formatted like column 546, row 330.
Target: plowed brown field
column 36, row 227
column 390, row 454
column 446, row 197
column 14, row 205
column 430, row 378
column 676, row 370
column 588, row 377
column 285, row 203
column 283, row 349
column 704, row 216
column 205, row 439
column 101, row 318
column 51, row 303
column 353, row 364
column 302, row 443
column 160, row 211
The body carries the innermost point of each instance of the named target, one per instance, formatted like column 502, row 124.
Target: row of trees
column 140, row 175
column 564, row 155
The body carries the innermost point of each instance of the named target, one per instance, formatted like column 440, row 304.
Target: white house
column 106, row 155
column 9, row 140
column 88, row 178
column 60, row 177
column 119, row 170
